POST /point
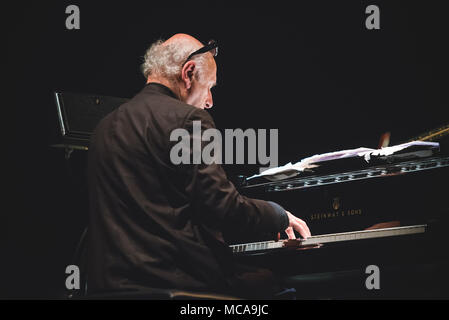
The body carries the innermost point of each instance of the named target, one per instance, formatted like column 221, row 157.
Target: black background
column 310, row 69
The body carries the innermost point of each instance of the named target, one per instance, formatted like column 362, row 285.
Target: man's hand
column 296, row 224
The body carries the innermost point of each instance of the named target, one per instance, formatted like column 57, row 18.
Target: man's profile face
column 200, row 94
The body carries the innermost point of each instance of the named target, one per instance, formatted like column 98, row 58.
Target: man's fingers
column 302, row 228
column 290, row 233
column 306, row 227
column 302, row 231
column 297, row 224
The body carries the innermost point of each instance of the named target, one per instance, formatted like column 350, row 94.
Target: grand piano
column 391, row 213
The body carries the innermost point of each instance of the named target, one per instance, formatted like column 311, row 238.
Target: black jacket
column 154, row 224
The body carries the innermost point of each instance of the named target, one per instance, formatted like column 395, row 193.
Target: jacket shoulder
column 161, row 105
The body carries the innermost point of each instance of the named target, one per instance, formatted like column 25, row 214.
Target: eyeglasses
column 212, row 47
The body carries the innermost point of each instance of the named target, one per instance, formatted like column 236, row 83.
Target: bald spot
column 183, row 39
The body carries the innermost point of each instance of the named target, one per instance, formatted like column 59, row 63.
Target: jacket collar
column 160, row 88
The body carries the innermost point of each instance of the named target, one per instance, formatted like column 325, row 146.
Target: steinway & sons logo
column 336, row 213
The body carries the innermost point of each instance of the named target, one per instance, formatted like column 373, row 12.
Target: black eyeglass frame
column 212, row 47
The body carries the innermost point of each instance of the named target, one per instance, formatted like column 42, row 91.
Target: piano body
column 390, row 213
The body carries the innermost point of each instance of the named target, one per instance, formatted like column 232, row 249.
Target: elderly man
column 154, row 224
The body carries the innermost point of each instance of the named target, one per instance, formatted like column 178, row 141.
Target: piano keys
column 319, row 240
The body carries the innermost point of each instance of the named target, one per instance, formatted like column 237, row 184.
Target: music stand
column 78, row 115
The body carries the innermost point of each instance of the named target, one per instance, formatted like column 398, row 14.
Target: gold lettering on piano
column 335, row 214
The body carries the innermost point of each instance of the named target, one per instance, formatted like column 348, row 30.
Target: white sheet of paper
column 290, row 170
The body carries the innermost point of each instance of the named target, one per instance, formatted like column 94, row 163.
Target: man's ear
column 187, row 73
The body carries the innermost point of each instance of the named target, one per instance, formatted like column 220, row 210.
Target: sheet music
column 291, row 170
column 418, row 145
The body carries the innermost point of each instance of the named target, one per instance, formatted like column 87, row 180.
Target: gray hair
column 166, row 60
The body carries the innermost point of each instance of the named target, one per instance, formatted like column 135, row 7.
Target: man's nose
column 209, row 102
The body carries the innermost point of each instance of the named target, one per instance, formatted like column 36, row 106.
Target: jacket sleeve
column 216, row 201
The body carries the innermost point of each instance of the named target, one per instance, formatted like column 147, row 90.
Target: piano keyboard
column 328, row 238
